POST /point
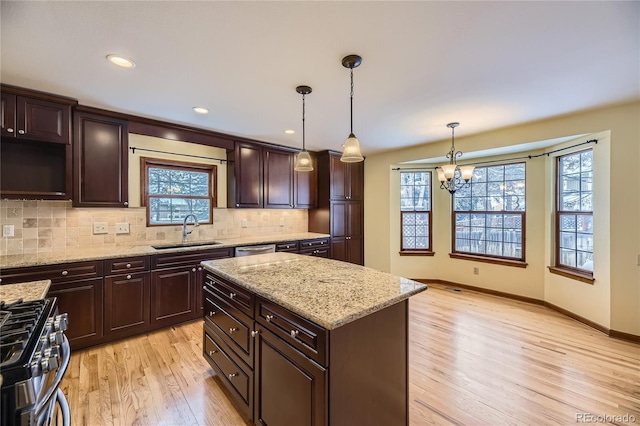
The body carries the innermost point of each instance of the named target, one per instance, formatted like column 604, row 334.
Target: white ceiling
column 485, row 64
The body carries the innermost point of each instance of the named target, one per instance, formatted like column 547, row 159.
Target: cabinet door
column 126, row 304
column 43, row 120
column 355, row 182
column 82, row 301
column 339, row 219
column 338, row 178
column 100, row 172
column 305, row 188
column 7, row 114
column 173, row 297
column 339, row 249
column 248, row 176
column 290, row 389
column 278, row 179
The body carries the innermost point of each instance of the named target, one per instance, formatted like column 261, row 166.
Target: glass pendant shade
column 466, row 172
column 303, row 162
column 351, row 152
column 441, row 177
column 449, row 171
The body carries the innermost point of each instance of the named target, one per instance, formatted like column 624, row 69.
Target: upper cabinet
column 100, row 158
column 347, row 179
column 36, row 145
column 263, row 177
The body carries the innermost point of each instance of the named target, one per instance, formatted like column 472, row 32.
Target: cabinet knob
column 254, row 333
column 128, row 265
column 212, row 313
column 9, row 130
column 232, row 329
column 128, row 277
column 212, row 351
column 232, row 295
column 65, row 273
column 294, row 333
column 21, row 132
column 193, row 269
column 126, row 203
column 199, row 268
column 232, row 375
column 269, row 318
column 0, row 280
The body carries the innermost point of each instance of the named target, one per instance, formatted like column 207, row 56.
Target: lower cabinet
column 318, row 247
column 126, row 304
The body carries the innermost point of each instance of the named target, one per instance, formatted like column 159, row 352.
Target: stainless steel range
column 34, row 355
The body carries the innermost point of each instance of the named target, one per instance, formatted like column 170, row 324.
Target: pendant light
column 351, row 152
column 303, row 160
column 451, row 176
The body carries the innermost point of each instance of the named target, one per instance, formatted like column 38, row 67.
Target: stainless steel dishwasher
column 251, row 250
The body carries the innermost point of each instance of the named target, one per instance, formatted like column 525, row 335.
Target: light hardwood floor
column 475, row 359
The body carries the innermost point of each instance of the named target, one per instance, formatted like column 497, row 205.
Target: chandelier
column 451, row 176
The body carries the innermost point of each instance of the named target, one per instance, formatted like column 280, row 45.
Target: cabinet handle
column 199, row 268
column 254, row 333
column 65, row 273
column 193, row 270
column 0, row 280
column 128, row 265
column 212, row 313
column 9, row 130
column 232, row 295
column 21, row 132
column 269, row 318
column 232, row 375
column 294, row 333
column 126, row 203
column 128, row 277
column 212, row 351
column 232, row 329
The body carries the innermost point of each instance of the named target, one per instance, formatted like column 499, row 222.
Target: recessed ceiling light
column 289, row 132
column 120, row 61
column 201, row 110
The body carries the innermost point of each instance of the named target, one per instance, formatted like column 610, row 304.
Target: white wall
column 613, row 300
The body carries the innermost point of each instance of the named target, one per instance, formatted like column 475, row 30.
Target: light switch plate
column 100, row 228
column 8, row 230
column 244, row 223
column 282, row 221
column 122, row 228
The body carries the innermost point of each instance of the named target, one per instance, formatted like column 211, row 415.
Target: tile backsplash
column 46, row 226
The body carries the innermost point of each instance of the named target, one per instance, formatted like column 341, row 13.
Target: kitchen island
column 309, row 341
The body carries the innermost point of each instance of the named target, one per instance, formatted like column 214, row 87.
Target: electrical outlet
column 282, row 221
column 244, row 223
column 476, row 271
column 100, row 228
column 8, row 230
column 122, row 228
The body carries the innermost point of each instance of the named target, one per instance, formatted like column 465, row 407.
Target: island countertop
column 328, row 292
column 32, row 290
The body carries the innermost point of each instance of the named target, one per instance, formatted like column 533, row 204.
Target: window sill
column 495, row 261
column 585, row 277
column 416, row 253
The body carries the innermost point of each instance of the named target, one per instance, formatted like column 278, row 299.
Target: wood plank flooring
column 475, row 359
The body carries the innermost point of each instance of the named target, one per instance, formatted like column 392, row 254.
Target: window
column 171, row 190
column 489, row 213
column 415, row 212
column 574, row 212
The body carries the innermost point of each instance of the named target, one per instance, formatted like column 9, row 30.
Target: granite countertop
column 32, row 290
column 328, row 292
column 98, row 253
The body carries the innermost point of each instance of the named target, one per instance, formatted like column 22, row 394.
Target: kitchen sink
column 181, row 245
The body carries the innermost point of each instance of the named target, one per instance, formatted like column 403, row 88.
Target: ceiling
column 485, row 64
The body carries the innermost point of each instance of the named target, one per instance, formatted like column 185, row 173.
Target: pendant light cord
column 303, row 108
column 351, row 101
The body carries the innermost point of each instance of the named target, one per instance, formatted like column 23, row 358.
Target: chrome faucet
column 186, row 233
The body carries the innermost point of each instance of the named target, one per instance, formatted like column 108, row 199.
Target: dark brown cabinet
column 36, row 145
column 78, row 288
column 340, row 211
column 317, row 247
column 262, row 176
column 100, row 157
column 126, row 297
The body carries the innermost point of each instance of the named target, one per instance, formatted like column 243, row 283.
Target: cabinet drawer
column 234, row 330
column 304, row 335
column 237, row 377
column 232, row 294
column 288, row 246
column 169, row 260
column 126, row 265
column 56, row 273
column 317, row 243
column 318, row 252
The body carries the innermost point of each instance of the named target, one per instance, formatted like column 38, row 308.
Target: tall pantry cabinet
column 340, row 211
